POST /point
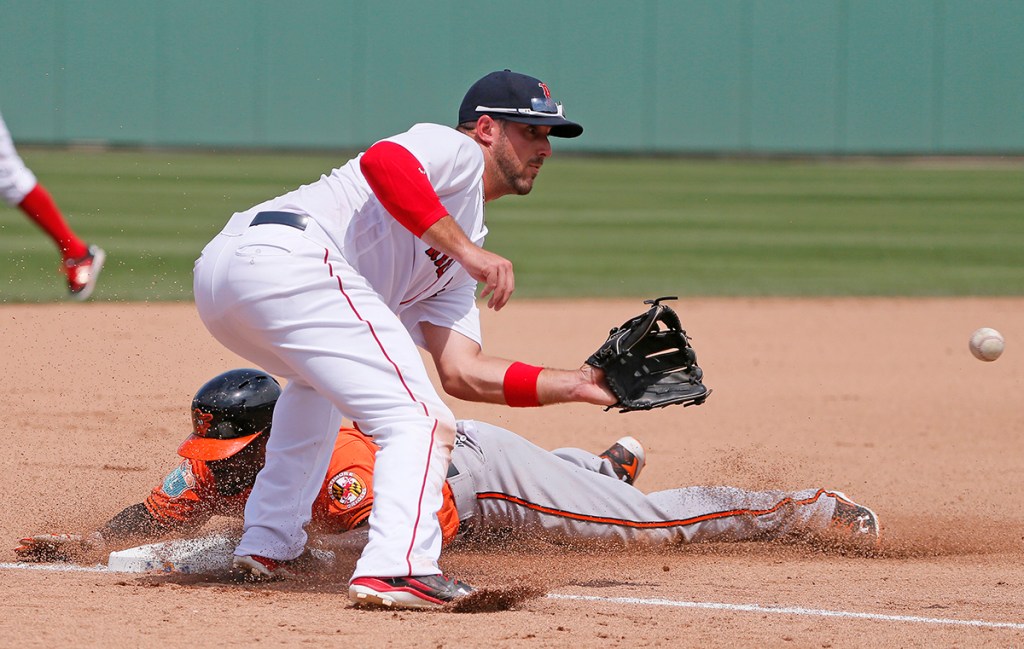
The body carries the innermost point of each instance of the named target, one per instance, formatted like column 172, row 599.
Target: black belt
column 281, row 218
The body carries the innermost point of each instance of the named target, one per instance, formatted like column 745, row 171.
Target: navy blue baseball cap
column 516, row 98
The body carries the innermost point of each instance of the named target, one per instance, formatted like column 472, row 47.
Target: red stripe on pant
column 426, row 411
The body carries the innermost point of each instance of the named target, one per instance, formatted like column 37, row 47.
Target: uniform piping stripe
column 494, row 495
column 419, row 503
column 373, row 333
column 432, row 284
column 408, row 390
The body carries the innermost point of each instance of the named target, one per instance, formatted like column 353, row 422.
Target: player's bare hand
column 495, row 272
column 43, row 548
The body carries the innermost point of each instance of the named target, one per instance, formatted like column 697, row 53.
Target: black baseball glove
column 648, row 362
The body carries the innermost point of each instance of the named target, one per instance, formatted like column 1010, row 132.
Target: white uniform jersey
column 403, row 269
column 333, row 306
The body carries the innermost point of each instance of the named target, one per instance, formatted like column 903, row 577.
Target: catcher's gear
column 228, row 412
column 648, row 362
column 46, row 548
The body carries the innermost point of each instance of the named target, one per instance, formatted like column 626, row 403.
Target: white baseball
column 987, row 344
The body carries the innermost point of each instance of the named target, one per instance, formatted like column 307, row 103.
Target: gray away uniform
column 502, row 482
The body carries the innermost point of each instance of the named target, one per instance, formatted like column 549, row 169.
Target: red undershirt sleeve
column 398, row 180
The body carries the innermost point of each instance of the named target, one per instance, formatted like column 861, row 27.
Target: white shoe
column 859, row 522
column 627, row 458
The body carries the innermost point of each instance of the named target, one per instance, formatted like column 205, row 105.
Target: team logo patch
column 179, row 480
column 442, row 262
column 347, row 489
column 201, row 422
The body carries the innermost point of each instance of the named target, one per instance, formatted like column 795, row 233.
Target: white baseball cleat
column 856, row 521
column 627, row 458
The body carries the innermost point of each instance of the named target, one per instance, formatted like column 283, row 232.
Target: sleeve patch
column 347, row 489
column 179, row 480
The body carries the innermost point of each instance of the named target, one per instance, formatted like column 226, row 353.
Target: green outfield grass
column 592, row 227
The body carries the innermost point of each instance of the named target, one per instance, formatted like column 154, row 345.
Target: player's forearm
column 447, row 237
column 469, row 374
column 479, row 379
column 497, row 380
column 135, row 522
column 350, row 542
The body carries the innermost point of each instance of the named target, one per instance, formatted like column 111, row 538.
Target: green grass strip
column 593, row 227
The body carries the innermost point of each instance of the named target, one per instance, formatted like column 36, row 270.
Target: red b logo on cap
column 544, row 87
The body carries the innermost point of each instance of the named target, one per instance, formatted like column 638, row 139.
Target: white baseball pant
column 285, row 299
column 16, row 180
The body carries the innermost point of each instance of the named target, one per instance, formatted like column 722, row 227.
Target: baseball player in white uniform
column 20, row 188
column 332, row 286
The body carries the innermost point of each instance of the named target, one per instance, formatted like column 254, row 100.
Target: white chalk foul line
column 53, row 567
column 788, row 610
column 748, row 608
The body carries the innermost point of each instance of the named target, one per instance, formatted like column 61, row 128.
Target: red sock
column 40, row 208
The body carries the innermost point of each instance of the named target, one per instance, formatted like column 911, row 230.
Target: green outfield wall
column 665, row 76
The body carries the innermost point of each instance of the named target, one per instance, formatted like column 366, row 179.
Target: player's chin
column 523, row 185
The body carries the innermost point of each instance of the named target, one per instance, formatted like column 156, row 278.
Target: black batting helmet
column 228, row 412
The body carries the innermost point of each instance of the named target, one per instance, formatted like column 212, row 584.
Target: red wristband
column 520, row 385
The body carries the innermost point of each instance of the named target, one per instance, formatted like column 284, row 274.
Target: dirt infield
column 878, row 398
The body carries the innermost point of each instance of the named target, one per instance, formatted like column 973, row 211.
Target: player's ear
column 487, row 130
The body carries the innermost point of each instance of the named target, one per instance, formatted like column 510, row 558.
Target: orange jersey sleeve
column 346, row 498
column 188, row 497
column 177, row 500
